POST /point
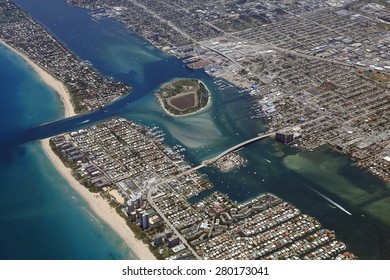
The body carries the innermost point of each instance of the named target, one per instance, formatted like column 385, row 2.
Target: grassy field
column 183, row 96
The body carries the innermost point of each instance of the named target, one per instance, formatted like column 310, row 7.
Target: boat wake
column 329, row 200
column 84, row 122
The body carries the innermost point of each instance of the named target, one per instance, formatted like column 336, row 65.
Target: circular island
column 183, row 96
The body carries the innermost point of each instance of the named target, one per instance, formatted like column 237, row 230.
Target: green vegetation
column 243, row 72
column 75, row 99
column 74, row 166
column 120, row 139
column 12, row 15
column 91, row 187
column 62, row 157
column 141, row 234
column 138, row 232
column 184, row 96
column 378, row 76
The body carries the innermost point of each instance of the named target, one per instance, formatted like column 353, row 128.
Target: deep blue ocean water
column 41, row 217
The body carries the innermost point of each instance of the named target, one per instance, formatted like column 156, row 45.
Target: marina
column 231, row 125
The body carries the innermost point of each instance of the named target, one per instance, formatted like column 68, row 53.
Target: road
column 189, row 171
column 181, row 237
column 236, row 147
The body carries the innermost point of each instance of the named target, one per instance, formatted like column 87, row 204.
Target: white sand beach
column 50, row 80
column 98, row 204
column 101, row 207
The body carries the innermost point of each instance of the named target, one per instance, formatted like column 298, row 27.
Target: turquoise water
column 115, row 52
column 41, row 217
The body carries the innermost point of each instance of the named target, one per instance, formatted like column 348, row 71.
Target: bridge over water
column 189, row 171
column 236, row 147
column 226, row 152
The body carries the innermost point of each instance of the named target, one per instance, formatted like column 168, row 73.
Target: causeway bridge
column 236, row 147
column 189, row 171
column 226, row 152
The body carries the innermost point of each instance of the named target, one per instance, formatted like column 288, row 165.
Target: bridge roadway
column 235, row 148
column 224, row 153
column 189, row 171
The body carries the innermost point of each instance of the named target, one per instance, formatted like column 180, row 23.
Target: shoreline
column 100, row 207
column 208, row 105
column 49, row 80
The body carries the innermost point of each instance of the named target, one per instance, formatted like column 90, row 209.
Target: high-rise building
column 130, row 206
column 145, row 221
column 133, row 217
column 173, row 241
column 168, row 234
column 158, row 239
column 285, row 137
column 139, row 212
column 139, row 201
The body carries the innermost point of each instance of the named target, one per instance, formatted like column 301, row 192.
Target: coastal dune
column 50, row 80
column 101, row 207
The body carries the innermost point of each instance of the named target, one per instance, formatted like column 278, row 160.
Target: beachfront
column 89, row 90
column 101, row 207
column 51, row 81
column 98, row 204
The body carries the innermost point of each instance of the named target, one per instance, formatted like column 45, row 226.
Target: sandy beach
column 101, row 207
column 51, row 81
column 98, row 204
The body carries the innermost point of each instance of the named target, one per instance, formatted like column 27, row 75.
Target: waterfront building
column 168, row 234
column 130, row 206
column 158, row 239
column 145, row 221
column 285, row 137
column 139, row 213
column 139, row 201
column 173, row 241
column 133, row 217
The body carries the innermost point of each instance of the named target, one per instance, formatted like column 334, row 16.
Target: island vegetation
column 183, row 96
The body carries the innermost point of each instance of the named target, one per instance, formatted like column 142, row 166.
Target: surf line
column 329, row 200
